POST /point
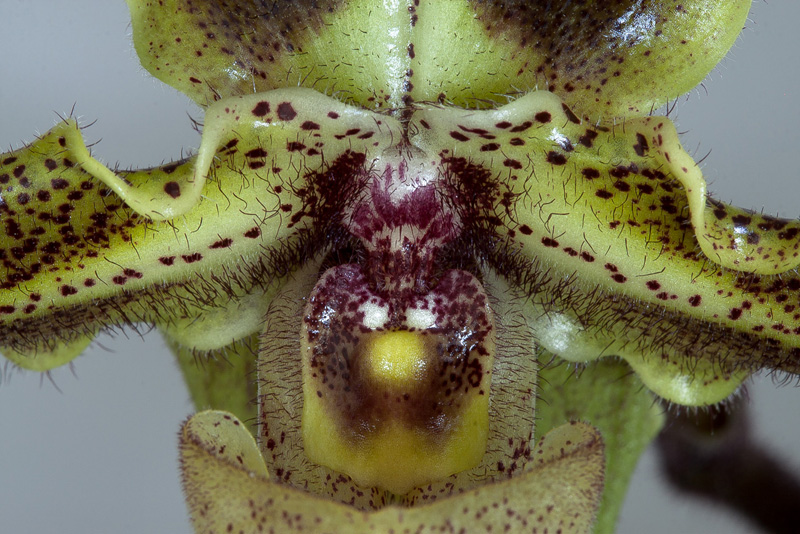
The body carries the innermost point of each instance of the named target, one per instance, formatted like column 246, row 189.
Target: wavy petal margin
column 184, row 245
column 608, row 229
column 611, row 232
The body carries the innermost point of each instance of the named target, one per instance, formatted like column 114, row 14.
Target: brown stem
column 711, row 454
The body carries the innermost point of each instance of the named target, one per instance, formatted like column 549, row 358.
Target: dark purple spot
column 622, row 186
column 653, row 285
column 619, row 172
column 548, row 242
column 333, row 115
column 253, row 233
column 286, row 112
column 309, row 125
column 222, row 243
column 59, row 183
column 68, row 290
column 618, row 278
column 522, row 127
column 555, row 158
column 641, row 147
column 261, row 109
column 132, row 273
column 256, row 153
column 172, row 189
column 585, row 256
column 490, row 147
column 602, row 193
column 191, row 258
column 589, row 173
column 525, row 229
column 458, row 136
column 543, row 117
column 167, row 260
column 588, row 138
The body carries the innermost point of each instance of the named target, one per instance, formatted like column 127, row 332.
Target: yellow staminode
column 395, row 358
column 395, row 454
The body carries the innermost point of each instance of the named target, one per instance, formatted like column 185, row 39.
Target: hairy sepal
column 607, row 60
column 85, row 247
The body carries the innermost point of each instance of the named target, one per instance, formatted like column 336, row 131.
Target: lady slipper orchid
column 401, row 217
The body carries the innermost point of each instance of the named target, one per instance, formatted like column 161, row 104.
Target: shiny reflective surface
column 106, row 120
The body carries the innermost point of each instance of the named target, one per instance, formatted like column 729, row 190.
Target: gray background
column 97, row 453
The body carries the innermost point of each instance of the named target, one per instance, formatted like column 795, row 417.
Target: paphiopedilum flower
column 598, row 221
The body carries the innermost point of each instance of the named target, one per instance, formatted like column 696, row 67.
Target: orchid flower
column 493, row 170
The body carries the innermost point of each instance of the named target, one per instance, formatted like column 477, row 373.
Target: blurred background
column 92, row 448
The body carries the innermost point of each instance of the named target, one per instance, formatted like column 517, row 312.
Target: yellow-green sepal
column 608, row 60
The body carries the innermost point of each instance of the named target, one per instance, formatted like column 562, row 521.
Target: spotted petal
column 606, row 59
column 86, row 247
column 611, row 233
column 228, row 490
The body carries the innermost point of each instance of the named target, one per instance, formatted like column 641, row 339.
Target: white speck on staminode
column 420, row 319
column 375, row 315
